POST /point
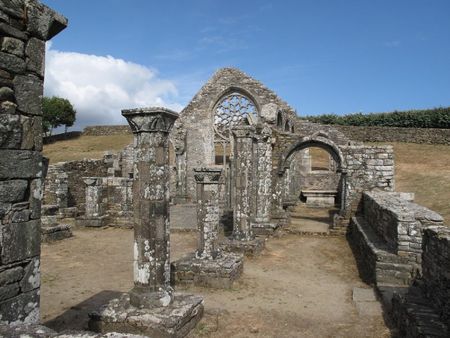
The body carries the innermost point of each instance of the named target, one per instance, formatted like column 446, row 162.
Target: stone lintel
column 175, row 320
column 152, row 119
column 250, row 248
column 219, row 273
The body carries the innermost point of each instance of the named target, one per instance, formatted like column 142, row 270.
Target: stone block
column 22, row 308
column 219, row 273
column 11, row 275
column 9, row 291
column 94, row 222
column 13, row 190
column 35, row 52
column 32, row 276
column 29, row 89
column 20, row 241
column 31, row 132
column 20, row 163
column 35, row 198
column 174, row 321
column 56, row 233
column 10, row 131
column 13, row 46
column 43, row 22
column 6, row 94
column 12, row 63
column 249, row 248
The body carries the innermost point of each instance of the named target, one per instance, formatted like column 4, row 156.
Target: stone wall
column 424, row 309
column 24, row 28
column 75, row 171
column 386, row 237
column 106, row 130
column 392, row 134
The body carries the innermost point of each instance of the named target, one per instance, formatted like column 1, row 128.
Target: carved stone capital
column 148, row 120
column 207, row 175
column 243, row 131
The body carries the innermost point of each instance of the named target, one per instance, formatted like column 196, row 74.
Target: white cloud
column 101, row 86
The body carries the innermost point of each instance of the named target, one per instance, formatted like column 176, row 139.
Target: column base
column 218, row 273
column 252, row 247
column 172, row 321
column 264, row 228
column 95, row 222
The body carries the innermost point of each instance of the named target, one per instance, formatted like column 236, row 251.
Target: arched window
column 287, row 126
column 279, row 120
column 232, row 110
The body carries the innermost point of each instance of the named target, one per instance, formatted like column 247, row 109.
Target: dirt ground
column 299, row 286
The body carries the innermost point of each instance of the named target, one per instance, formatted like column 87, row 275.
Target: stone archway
column 320, row 141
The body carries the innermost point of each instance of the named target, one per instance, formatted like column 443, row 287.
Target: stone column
column 207, row 180
column 243, row 153
column 94, row 197
column 151, row 308
column 208, row 266
column 263, row 182
column 243, row 239
column 151, row 129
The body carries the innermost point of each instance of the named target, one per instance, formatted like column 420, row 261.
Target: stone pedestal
column 208, row 266
column 94, row 207
column 243, row 239
column 151, row 307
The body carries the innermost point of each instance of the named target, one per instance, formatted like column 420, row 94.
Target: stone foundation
column 55, row 233
column 174, row 320
column 94, row 222
column 220, row 272
column 252, row 247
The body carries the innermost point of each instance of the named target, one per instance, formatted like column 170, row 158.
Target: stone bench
column 319, row 198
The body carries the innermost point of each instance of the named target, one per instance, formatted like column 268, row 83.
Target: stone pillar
column 94, row 215
column 151, row 205
column 263, row 183
column 24, row 28
column 207, row 180
column 208, row 266
column 151, row 307
column 243, row 238
column 243, row 153
column 181, row 195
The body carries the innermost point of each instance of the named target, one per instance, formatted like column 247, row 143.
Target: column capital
column 243, row 131
column 148, row 120
column 207, row 175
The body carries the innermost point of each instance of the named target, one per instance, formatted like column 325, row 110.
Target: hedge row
column 429, row 118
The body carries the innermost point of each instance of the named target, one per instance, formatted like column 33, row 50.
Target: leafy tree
column 57, row 112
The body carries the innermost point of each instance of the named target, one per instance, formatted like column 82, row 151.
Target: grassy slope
column 85, row 147
column 420, row 168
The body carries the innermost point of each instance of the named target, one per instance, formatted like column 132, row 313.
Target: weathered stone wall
column 106, row 130
column 392, row 134
column 436, row 268
column 75, row 171
column 386, row 237
column 24, row 28
column 195, row 124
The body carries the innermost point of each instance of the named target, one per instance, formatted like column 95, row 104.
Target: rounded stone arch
column 313, row 141
column 231, row 90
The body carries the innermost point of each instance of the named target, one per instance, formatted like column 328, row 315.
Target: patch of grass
column 85, row 147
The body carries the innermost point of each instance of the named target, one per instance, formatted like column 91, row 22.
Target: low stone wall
column 106, row 130
column 424, row 310
column 60, row 137
column 386, row 237
column 393, row 134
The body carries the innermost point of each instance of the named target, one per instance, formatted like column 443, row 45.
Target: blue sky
column 321, row 56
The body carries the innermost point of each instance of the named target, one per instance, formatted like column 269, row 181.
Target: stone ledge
column 95, row 222
column 219, row 273
column 173, row 321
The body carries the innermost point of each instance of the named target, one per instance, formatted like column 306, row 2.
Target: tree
column 57, row 112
